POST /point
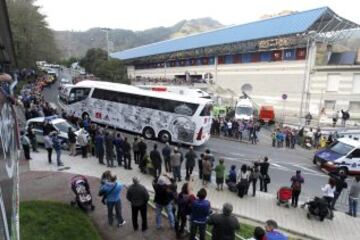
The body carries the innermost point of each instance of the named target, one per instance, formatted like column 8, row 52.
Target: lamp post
column 107, row 30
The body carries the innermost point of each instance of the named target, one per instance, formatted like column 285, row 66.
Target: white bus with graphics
column 165, row 116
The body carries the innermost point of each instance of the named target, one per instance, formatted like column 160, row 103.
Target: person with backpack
column 200, row 210
column 83, row 142
column 166, row 152
column 254, row 176
column 72, row 141
column 118, row 143
column 190, row 157
column 56, row 142
column 184, row 201
column 127, row 154
column 163, row 200
column 156, row 161
column 99, row 146
column 25, row 142
column 296, row 181
column 264, row 176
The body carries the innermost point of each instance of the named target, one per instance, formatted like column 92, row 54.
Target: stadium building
column 288, row 55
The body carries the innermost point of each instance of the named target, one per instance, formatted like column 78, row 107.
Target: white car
column 65, row 81
column 58, row 124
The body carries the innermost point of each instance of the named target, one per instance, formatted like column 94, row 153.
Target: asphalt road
column 284, row 162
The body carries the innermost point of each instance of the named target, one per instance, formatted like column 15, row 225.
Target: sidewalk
column 257, row 209
column 55, row 186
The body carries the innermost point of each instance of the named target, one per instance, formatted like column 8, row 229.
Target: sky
column 80, row 15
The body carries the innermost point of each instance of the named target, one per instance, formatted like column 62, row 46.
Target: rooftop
column 301, row 22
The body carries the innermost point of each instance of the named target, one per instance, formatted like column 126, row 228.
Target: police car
column 57, row 124
column 343, row 154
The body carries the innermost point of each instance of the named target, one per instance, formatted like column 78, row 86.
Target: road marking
column 279, row 166
column 306, row 169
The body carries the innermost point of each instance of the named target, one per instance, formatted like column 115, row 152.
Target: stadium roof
column 300, row 22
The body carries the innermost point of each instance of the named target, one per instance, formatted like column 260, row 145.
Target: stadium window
column 237, row 58
column 192, row 62
column 172, row 64
column 300, row 53
column 205, row 61
column 276, row 55
column 255, row 57
column 265, row 56
column 198, row 61
column 211, row 60
column 289, row 54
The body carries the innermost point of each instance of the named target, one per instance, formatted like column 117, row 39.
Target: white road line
column 279, row 166
column 306, row 169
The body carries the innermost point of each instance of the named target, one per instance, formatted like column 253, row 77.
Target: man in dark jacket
column 118, row 143
column 190, row 157
column 72, row 141
column 109, row 149
column 166, row 152
column 264, row 176
column 224, row 225
column 31, row 135
column 200, row 210
column 138, row 197
column 156, row 161
column 47, row 128
column 340, row 184
column 142, row 151
column 127, row 154
column 163, row 198
column 99, row 147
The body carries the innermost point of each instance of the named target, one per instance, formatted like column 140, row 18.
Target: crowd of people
column 241, row 130
column 183, row 208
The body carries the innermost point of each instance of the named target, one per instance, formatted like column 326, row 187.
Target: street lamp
column 107, row 30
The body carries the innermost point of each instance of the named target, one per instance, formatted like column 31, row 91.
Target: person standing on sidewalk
column 190, row 157
column 329, row 191
column 220, row 174
column 340, row 184
column 184, row 201
column 138, row 196
column 200, row 167
column 127, row 154
column 83, row 142
column 135, row 147
column 354, row 195
column 200, row 210
column 25, row 142
column 163, row 199
column 112, row 190
column 206, row 171
column 142, row 150
column 32, row 137
column 224, row 224
column 99, row 146
column 254, row 176
column 118, row 143
column 156, row 161
column 109, row 149
column 72, row 141
column 166, row 152
column 272, row 233
column 56, row 142
column 175, row 162
column 48, row 146
column 264, row 176
column 296, row 181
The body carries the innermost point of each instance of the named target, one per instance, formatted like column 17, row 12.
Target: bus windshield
column 244, row 111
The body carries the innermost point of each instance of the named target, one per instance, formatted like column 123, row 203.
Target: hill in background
column 75, row 44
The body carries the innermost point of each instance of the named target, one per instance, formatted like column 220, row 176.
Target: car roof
column 350, row 141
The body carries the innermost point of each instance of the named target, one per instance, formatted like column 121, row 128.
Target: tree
column 95, row 61
column 33, row 40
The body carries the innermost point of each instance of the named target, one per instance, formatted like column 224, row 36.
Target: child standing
column 220, row 172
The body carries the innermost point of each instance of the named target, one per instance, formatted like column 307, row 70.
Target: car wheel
column 344, row 170
column 148, row 133
column 164, row 137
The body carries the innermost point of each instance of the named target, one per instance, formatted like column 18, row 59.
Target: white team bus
column 165, row 116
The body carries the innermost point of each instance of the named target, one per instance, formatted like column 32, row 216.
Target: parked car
column 58, row 124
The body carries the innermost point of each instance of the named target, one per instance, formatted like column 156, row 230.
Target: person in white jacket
column 329, row 190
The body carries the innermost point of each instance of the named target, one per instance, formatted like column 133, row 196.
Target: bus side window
column 78, row 94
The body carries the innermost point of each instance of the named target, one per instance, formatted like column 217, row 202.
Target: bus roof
column 135, row 90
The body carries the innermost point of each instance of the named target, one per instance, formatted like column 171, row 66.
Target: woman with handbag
column 243, row 181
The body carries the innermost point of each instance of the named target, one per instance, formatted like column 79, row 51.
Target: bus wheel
column 148, row 133
column 164, row 137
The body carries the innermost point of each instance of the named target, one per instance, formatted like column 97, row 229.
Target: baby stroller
column 284, row 194
column 319, row 208
column 80, row 186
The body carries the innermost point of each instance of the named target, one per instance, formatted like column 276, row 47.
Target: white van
column 343, row 154
column 244, row 110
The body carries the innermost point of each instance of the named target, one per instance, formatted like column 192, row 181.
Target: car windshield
column 64, row 126
column 244, row 111
column 341, row 148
